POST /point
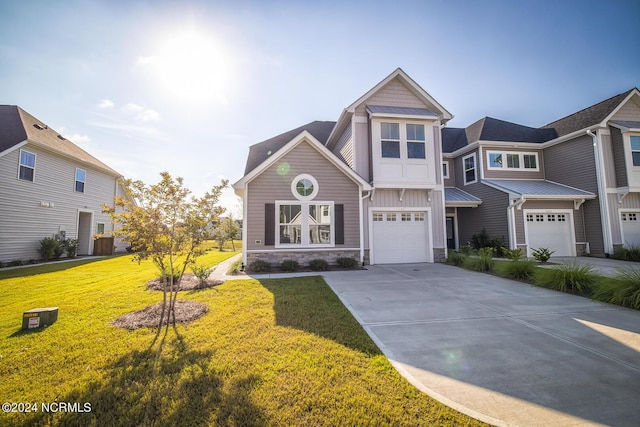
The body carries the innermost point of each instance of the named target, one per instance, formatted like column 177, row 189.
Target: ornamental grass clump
column 623, row 290
column 520, row 269
column 574, row 278
column 483, row 262
column 456, row 258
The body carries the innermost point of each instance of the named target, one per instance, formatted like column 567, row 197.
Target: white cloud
column 77, row 138
column 105, row 103
column 140, row 113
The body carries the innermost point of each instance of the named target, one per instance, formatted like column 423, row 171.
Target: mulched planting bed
column 189, row 282
column 149, row 317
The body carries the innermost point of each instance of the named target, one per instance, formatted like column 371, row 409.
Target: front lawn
column 272, row 352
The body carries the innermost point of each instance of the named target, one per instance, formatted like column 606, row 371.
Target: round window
column 304, row 187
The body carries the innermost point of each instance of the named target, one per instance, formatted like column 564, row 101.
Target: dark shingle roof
column 261, row 151
column 588, row 117
column 16, row 126
column 490, row 129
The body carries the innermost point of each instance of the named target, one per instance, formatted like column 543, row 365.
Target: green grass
column 273, row 352
column 522, row 269
column 573, row 278
column 622, row 290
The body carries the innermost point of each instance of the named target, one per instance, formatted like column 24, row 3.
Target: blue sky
column 188, row 86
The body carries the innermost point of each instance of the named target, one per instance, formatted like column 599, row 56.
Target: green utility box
column 39, row 317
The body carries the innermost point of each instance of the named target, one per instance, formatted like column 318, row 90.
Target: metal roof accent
column 404, row 111
column 456, row 196
column 627, row 124
column 538, row 188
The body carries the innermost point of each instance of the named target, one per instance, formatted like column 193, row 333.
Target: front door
column 451, row 233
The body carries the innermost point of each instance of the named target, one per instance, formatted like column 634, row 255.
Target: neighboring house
column 49, row 187
column 389, row 183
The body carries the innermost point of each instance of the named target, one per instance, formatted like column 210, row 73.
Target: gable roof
column 261, row 151
column 17, row 126
column 589, row 116
column 304, row 136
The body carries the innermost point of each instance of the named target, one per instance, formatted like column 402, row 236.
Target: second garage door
column 400, row 237
column 550, row 230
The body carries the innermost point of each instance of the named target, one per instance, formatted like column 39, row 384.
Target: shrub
column 624, row 253
column 481, row 240
column 236, row 267
column 484, row 261
column 512, row 254
column 259, row 266
column 624, row 290
column 455, row 258
column 347, row 262
column 50, row 248
column 1, row 264
column 574, row 278
column 466, row 249
column 70, row 247
column 520, row 269
column 202, row 273
column 542, row 254
column 290, row 265
column 318, row 265
column 15, row 263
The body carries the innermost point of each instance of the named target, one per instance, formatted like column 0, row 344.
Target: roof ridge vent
column 62, row 137
column 40, row 127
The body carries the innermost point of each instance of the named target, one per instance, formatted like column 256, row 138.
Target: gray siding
column 344, row 147
column 24, row 222
column 451, row 181
column 270, row 186
column 491, row 214
column 393, row 94
column 573, row 163
column 609, row 165
column 620, row 167
column 512, row 174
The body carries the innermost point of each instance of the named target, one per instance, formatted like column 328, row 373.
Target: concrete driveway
column 503, row 352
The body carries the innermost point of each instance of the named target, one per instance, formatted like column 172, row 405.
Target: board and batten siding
column 270, row 186
column 24, row 222
column 412, row 199
column 620, row 166
column 510, row 173
column 573, row 163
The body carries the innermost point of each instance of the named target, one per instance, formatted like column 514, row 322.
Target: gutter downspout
column 511, row 215
column 361, row 207
column 602, row 193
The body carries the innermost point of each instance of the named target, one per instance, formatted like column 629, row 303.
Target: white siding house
column 49, row 187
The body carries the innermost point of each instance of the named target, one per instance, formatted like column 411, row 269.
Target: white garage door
column 550, row 230
column 630, row 228
column 400, row 237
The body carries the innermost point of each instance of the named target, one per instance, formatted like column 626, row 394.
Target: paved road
column 501, row 351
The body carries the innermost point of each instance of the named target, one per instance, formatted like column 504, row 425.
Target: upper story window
column 635, row 150
column 512, row 160
column 390, row 140
column 27, row 165
column 81, row 176
column 415, row 141
column 469, row 165
column 304, row 187
column 394, row 138
column 445, row 169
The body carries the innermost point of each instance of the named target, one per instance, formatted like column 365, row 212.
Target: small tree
column 227, row 230
column 163, row 223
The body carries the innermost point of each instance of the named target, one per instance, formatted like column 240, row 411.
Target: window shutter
column 269, row 224
column 339, row 223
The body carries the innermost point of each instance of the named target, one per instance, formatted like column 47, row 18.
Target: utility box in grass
column 39, row 317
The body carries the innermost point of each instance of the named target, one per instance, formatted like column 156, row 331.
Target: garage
column 550, row 229
column 400, row 237
column 630, row 228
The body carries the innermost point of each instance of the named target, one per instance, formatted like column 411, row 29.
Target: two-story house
column 49, row 187
column 389, row 182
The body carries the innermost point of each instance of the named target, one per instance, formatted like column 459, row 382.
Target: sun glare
column 192, row 65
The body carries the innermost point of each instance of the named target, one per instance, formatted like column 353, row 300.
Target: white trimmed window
column 635, row 150
column 390, row 140
column 445, row 169
column 81, row 177
column 512, row 160
column 469, row 165
column 415, row 141
column 305, row 223
column 27, row 168
column 394, row 137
